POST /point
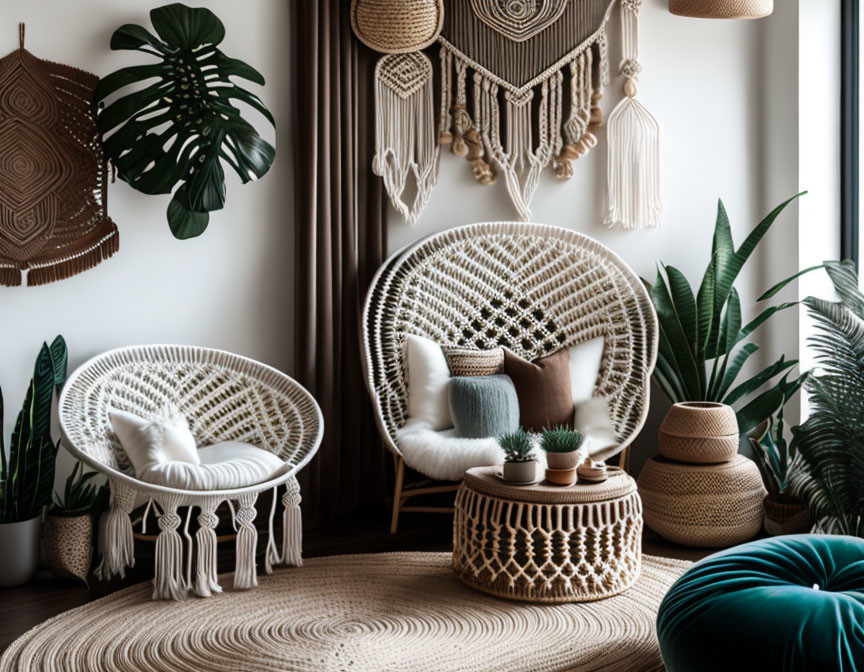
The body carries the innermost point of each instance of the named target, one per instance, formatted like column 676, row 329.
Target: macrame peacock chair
column 532, row 288
column 224, row 397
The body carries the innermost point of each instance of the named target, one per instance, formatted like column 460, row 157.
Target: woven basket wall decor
column 397, row 26
column 53, row 176
column 722, row 9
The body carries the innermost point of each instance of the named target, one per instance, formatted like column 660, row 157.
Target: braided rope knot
column 246, row 515
column 631, row 68
column 170, row 520
column 208, row 519
column 631, row 5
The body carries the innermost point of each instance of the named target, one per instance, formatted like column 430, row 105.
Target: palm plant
column 702, row 347
column 27, row 474
column 831, row 441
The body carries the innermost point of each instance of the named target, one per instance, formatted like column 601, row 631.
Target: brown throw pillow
column 466, row 362
column 543, row 388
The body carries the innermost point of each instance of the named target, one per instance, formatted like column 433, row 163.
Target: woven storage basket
column 702, row 505
column 544, row 543
column 397, row 26
column 722, row 9
column 69, row 545
column 786, row 517
column 699, row 433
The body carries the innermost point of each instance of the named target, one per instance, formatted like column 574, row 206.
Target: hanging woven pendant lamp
column 722, row 9
column 397, row 26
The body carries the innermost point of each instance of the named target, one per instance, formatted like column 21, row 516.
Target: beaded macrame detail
column 405, row 144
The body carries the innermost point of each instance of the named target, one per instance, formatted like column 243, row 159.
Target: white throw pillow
column 585, row 360
column 427, row 381
column 592, row 418
column 154, row 440
column 224, row 466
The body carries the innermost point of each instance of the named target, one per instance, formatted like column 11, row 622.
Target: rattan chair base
column 547, row 544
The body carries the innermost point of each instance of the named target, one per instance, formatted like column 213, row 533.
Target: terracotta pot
column 699, row 432
column 563, row 460
column 19, row 558
column 786, row 515
column 69, row 545
column 561, row 476
column 519, row 472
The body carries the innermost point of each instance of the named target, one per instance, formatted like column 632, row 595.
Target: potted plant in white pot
column 520, row 464
column 561, row 446
column 27, row 472
column 68, row 527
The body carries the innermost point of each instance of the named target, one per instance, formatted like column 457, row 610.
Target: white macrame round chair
column 532, row 288
column 224, row 397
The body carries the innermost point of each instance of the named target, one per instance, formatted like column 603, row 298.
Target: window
column 851, row 123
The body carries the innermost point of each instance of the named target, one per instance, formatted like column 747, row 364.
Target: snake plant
column 703, row 347
column 27, row 474
column 831, row 440
column 175, row 133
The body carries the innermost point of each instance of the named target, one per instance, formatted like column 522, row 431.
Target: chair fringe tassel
column 115, row 543
column 633, row 166
column 170, row 582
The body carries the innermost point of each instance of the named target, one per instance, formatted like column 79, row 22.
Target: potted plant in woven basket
column 68, row 527
column 777, row 461
column 27, row 473
column 520, row 464
column 561, row 445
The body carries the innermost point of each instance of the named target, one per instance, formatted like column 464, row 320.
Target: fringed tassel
column 41, row 273
column 10, row 276
column 405, row 138
column 634, row 143
column 206, row 580
column 115, row 542
column 292, row 525
column 168, row 581
column 245, row 574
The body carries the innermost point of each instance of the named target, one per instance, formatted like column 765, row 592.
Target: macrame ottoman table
column 224, row 397
column 543, row 543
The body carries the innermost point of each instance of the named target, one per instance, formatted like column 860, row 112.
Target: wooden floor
column 24, row 607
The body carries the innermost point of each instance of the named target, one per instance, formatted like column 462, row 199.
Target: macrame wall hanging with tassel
column 520, row 83
column 53, row 176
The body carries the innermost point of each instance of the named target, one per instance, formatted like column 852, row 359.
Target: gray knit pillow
column 483, row 406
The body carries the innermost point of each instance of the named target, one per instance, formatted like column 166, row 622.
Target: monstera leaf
column 173, row 132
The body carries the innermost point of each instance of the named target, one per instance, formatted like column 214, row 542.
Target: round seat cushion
column 792, row 603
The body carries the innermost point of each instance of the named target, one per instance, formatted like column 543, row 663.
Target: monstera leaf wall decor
column 175, row 133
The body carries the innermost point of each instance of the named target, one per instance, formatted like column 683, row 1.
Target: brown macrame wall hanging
column 53, row 176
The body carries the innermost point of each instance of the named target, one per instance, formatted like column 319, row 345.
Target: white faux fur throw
column 446, row 457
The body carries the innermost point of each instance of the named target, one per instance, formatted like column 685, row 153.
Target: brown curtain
column 340, row 243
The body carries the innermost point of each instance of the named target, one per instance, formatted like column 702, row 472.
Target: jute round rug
column 404, row 612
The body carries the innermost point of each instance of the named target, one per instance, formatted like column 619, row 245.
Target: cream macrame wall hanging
column 520, row 83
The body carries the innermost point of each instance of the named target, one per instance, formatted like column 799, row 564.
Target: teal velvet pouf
column 785, row 604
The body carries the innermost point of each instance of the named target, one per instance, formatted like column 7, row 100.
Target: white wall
column 232, row 288
column 702, row 81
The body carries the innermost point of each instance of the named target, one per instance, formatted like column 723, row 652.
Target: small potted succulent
column 68, row 527
column 561, row 445
column 520, row 464
column 778, row 460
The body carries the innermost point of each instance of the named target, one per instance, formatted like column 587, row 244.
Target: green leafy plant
column 27, row 474
column 516, row 446
column 174, row 133
column 702, row 349
column 80, row 495
column 831, row 440
column 560, row 440
column 776, row 458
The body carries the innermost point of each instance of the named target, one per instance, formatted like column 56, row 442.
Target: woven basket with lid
column 397, row 26
column 699, row 433
column 722, row 9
